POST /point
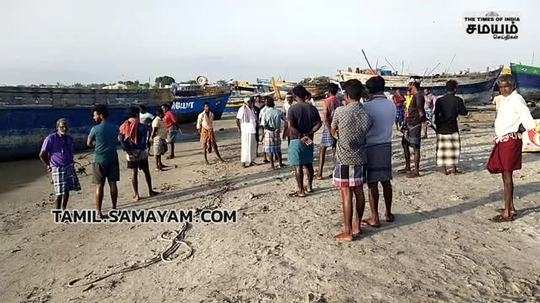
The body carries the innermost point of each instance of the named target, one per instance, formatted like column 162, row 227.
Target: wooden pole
column 365, row 57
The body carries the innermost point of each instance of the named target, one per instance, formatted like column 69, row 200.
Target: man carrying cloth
column 505, row 157
column 205, row 127
column 134, row 136
column 412, row 129
column 350, row 126
column 329, row 106
column 57, row 155
column 304, row 120
column 379, row 149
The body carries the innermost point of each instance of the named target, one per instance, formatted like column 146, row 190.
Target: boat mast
column 449, row 64
column 390, row 64
column 365, row 57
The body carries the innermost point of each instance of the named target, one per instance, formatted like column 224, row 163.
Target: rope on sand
column 166, row 256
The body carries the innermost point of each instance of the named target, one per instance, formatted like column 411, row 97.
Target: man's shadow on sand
column 423, row 216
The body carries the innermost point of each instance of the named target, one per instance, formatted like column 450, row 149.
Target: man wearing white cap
column 247, row 126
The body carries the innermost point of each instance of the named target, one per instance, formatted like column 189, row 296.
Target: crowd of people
column 358, row 127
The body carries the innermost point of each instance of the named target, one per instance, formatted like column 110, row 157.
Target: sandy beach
column 441, row 248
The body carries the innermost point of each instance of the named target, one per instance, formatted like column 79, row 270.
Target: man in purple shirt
column 57, row 155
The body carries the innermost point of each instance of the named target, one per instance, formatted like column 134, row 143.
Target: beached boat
column 28, row 114
column 528, row 80
column 473, row 87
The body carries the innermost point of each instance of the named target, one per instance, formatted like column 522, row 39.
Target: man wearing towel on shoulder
column 379, row 149
column 512, row 112
column 304, row 120
column 412, row 129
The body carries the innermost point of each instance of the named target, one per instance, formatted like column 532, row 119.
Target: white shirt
column 286, row 107
column 248, row 122
column 511, row 112
column 161, row 132
column 146, row 117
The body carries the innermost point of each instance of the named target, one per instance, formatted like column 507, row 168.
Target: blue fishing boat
column 527, row 80
column 29, row 114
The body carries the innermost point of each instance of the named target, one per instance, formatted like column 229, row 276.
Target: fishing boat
column 29, row 114
column 527, row 80
column 473, row 87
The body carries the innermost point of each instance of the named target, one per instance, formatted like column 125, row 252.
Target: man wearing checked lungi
column 512, row 112
column 327, row 141
column 350, row 127
column 57, row 155
column 271, row 122
column 378, row 168
column 448, row 108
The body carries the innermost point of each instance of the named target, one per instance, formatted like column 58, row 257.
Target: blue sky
column 87, row 41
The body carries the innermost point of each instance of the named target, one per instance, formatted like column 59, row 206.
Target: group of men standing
column 135, row 135
column 359, row 131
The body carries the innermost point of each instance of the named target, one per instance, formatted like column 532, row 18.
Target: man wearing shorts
column 104, row 137
column 350, row 126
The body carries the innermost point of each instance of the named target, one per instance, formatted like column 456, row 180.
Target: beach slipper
column 500, row 219
column 366, row 223
column 307, row 190
column 296, row 194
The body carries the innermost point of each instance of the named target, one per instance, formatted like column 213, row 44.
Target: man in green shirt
column 104, row 138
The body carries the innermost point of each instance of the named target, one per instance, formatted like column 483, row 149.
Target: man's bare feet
column 320, row 177
column 356, row 230
column 136, row 198
column 344, row 237
column 389, row 217
column 373, row 222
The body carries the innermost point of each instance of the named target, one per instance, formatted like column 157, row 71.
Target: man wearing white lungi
column 247, row 125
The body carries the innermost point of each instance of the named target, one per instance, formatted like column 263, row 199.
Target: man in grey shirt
column 379, row 149
column 350, row 126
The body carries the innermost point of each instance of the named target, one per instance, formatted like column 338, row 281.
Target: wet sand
column 441, row 248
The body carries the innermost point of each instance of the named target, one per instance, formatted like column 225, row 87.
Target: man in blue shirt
column 379, row 149
column 104, row 137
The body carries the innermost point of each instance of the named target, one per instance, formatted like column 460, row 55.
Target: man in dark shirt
column 448, row 108
column 304, row 120
column 412, row 128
